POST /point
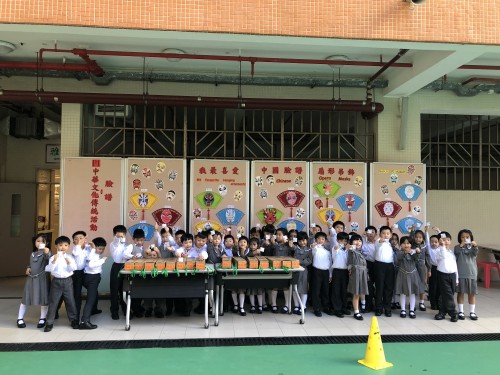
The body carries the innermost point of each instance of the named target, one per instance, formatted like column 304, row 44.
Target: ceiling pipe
column 391, row 63
column 252, row 60
column 481, row 79
column 479, row 67
column 45, row 66
column 366, row 107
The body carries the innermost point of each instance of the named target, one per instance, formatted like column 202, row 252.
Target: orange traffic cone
column 375, row 357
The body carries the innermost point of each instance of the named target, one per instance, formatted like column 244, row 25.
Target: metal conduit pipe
column 45, row 66
column 192, row 101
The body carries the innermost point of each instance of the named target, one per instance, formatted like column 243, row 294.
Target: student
column 279, row 247
column 199, row 251
column 183, row 306
column 408, row 281
column 61, row 266
column 358, row 273
column 334, row 229
column 36, row 288
column 384, row 272
column 322, row 263
column 340, row 275
column 466, row 254
column 254, row 246
column 136, row 251
column 80, row 251
column 447, row 274
column 432, row 243
column 238, row 296
column 368, row 251
column 117, row 249
column 215, row 249
column 303, row 253
column 418, row 237
column 395, row 298
column 91, row 279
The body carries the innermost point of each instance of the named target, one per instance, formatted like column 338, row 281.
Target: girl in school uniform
column 36, row 288
column 418, row 238
column 466, row 254
column 255, row 251
column 358, row 274
column 238, row 296
column 408, row 281
column 303, row 253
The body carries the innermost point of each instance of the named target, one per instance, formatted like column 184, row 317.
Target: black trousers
column 116, row 288
column 447, row 285
column 61, row 288
column 338, row 297
column 77, row 289
column 320, row 282
column 91, row 283
column 370, row 298
column 384, row 284
column 434, row 288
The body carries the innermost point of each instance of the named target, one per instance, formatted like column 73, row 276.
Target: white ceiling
column 431, row 61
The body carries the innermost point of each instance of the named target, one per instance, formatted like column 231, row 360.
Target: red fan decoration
column 291, row 198
column 167, row 216
column 388, row 209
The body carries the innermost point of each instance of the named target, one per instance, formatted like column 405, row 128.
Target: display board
column 155, row 194
column 398, row 195
column 279, row 191
column 219, row 195
column 338, row 192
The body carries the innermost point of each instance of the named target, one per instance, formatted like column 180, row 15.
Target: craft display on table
column 253, row 263
column 263, row 262
column 226, row 262
column 167, row 216
column 230, row 216
column 350, row 202
column 327, row 190
column 240, row 263
column 406, row 224
column 409, row 192
column 269, row 215
column 388, row 209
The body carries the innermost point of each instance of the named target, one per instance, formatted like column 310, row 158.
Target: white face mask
column 41, row 246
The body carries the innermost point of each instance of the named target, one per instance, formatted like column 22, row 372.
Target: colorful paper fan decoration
column 230, row 216
column 143, row 201
column 409, row 192
column 388, row 209
column 269, row 215
column 290, row 224
column 406, row 223
column 207, row 225
column 350, row 202
column 148, row 229
column 291, row 198
column 208, row 200
column 329, row 215
column 327, row 189
column 167, row 216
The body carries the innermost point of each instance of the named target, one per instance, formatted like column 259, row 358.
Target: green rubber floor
column 478, row 357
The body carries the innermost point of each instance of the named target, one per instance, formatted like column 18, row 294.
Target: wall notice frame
column 53, row 154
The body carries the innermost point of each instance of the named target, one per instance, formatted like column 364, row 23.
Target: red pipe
column 253, row 60
column 479, row 67
column 34, row 66
column 386, row 66
column 192, row 101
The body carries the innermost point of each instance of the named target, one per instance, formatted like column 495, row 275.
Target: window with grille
column 461, row 152
column 185, row 132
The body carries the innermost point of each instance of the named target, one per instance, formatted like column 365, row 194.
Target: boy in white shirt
column 118, row 251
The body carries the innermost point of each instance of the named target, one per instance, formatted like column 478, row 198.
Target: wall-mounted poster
column 91, row 196
column 155, row 194
column 338, row 192
column 279, row 191
column 398, row 195
column 219, row 196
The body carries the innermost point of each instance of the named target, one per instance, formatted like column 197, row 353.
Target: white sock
column 356, row 311
column 472, row 308
column 460, row 307
column 22, row 311
column 286, row 292
column 274, row 295
column 363, row 303
column 304, row 300
column 43, row 311
column 259, row 299
column 242, row 300
column 295, row 300
column 422, row 301
column 402, row 301
column 395, row 298
column 413, row 299
column 251, row 297
column 235, row 299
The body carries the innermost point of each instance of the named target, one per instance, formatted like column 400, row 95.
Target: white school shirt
column 170, row 240
column 333, row 238
column 94, row 262
column 384, row 252
column 322, row 258
column 117, row 250
column 80, row 256
column 339, row 258
column 368, row 250
column 446, row 260
column 430, row 250
column 195, row 252
column 61, row 269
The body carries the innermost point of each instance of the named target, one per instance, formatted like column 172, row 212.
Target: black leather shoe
column 346, row 311
column 378, row 312
column 41, row 323
column 329, row 312
column 21, row 323
column 95, row 312
column 339, row 314
column 75, row 324
column 318, row 313
column 439, row 316
column 48, row 327
column 388, row 313
column 87, row 325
